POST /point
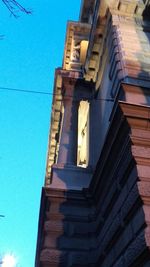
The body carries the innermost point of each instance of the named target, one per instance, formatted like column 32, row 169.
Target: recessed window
column 83, row 134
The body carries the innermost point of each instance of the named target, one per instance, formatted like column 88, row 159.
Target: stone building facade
column 95, row 204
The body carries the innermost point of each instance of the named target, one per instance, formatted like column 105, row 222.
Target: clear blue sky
column 31, row 50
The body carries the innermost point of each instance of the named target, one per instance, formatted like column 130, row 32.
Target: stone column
column 69, row 134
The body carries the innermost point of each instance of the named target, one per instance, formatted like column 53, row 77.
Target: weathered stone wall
column 108, row 223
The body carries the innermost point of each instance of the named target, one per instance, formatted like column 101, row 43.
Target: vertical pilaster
column 69, row 135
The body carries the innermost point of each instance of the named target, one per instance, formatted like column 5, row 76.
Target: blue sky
column 31, row 50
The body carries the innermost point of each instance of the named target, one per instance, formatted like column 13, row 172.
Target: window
column 83, row 134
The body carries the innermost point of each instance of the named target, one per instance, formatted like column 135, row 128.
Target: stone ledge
column 70, row 177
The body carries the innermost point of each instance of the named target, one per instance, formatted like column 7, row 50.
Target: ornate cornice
column 77, row 33
column 56, row 115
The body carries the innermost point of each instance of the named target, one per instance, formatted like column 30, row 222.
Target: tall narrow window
column 83, row 134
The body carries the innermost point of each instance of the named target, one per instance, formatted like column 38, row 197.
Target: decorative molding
column 83, row 90
column 55, row 125
column 76, row 33
column 126, row 18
